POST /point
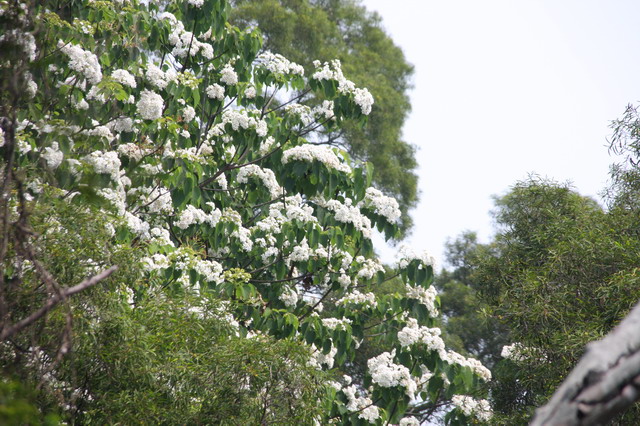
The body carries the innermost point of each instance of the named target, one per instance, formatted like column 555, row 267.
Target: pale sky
column 505, row 88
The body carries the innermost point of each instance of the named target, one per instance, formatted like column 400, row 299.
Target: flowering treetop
column 201, row 150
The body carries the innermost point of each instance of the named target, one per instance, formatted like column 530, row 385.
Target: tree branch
column 53, row 301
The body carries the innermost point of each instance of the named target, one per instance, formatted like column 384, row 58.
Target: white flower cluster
column 384, row 206
column 267, row 177
column 137, row 225
column 185, row 260
column 333, row 71
column 121, row 124
column 82, row 61
column 154, row 199
column 53, row 156
column 364, row 100
column 346, row 213
column 430, row 337
column 300, row 253
column 124, row 77
column 407, row 254
column 357, row 298
column 150, row 105
column 192, row 215
column 278, row 64
column 188, row 114
column 107, row 162
column 99, row 131
column 368, row 267
column 250, row 92
column 228, row 75
column 324, row 111
column 368, row 411
column 515, row 352
column 310, row 152
column 409, row 421
column 386, row 374
column 266, row 145
column 185, row 42
column 293, row 208
column 318, row 358
column 132, row 151
column 240, row 120
column 469, row 406
column 476, row 366
column 161, row 237
column 333, row 323
column 215, row 91
column 289, row 296
column 426, row 297
column 159, row 78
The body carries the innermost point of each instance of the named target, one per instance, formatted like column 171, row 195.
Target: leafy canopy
column 154, row 136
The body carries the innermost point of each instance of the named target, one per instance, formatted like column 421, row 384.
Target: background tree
column 559, row 273
column 304, row 31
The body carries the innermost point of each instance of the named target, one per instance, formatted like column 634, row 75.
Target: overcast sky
column 505, row 88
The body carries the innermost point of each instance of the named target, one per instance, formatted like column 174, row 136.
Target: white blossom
column 384, row 206
column 229, row 76
column 426, row 297
column 347, row 213
column 53, row 156
column 409, row 421
column 157, row 77
column 188, row 113
column 333, row 71
column 473, row 407
column 385, row 373
column 266, row 176
column 132, row 151
column 320, row 153
column 124, row 77
column 107, row 162
column 333, row 323
column 150, row 105
column 82, row 61
column 289, row 296
column 192, row 215
column 215, row 91
column 278, row 64
column 357, row 298
column 407, row 254
column 250, row 92
column 24, row 40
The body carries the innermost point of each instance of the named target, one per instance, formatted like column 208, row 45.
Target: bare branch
column 53, row 301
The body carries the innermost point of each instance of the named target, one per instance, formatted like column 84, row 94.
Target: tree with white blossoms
column 172, row 124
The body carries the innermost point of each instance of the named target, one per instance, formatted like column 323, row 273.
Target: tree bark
column 605, row 382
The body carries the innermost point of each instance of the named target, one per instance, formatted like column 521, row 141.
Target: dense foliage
column 155, row 137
